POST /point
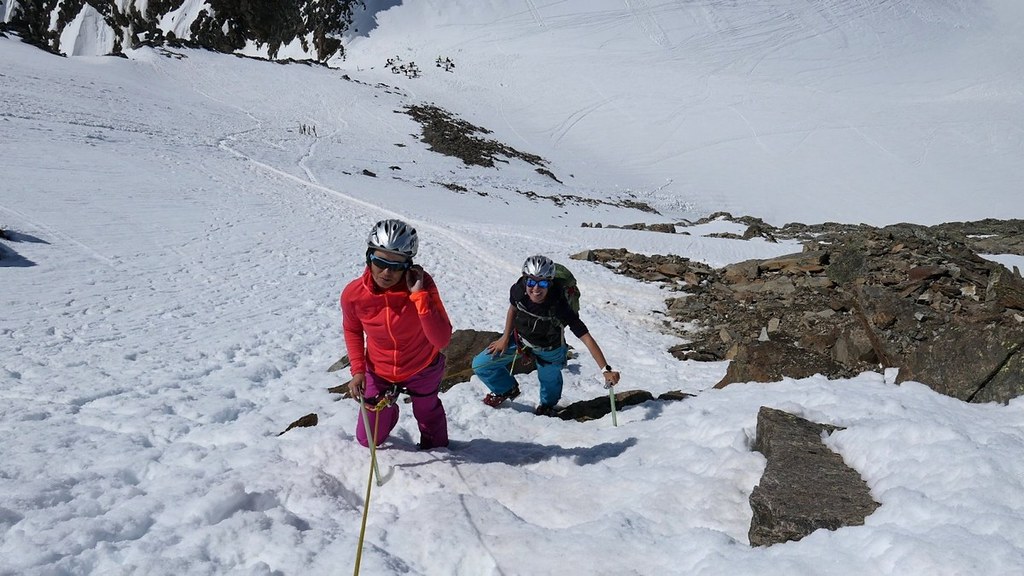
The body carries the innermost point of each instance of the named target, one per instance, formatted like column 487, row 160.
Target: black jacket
column 540, row 325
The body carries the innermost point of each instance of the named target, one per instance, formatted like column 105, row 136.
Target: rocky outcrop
column 857, row 298
column 311, row 29
column 597, row 408
column 464, row 346
column 805, row 486
column 447, row 134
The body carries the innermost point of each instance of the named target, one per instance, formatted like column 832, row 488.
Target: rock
column 463, row 347
column 1005, row 288
column 772, row 361
column 800, row 263
column 891, row 296
column 447, row 134
column 674, row 395
column 741, row 272
column 920, row 273
column 340, row 364
column 1007, row 384
column 853, row 347
column 601, row 406
column 313, row 26
column 961, row 360
column 304, row 422
column 846, row 265
column 805, row 486
column 665, row 228
column 586, row 255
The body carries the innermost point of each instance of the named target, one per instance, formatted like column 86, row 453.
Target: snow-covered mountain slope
column 872, row 111
column 185, row 242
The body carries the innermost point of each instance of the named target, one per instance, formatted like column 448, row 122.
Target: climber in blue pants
column 537, row 315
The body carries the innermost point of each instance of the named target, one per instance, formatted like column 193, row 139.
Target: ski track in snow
column 641, row 11
column 461, row 241
column 535, row 13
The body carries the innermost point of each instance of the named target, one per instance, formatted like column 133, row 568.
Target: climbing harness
column 383, row 402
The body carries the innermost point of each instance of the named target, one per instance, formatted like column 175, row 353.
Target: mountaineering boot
column 425, row 445
column 543, row 410
column 494, row 400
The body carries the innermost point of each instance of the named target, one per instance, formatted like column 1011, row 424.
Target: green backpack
column 568, row 282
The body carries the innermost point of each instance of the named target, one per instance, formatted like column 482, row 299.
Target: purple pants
column 423, row 388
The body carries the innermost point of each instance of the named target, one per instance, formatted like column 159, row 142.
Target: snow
column 1009, row 260
column 180, row 20
column 87, row 35
column 182, row 306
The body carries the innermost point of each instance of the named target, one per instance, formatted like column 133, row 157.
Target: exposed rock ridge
column 857, row 298
column 312, row 27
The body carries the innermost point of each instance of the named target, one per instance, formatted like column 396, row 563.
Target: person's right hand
column 357, row 385
column 414, row 279
column 498, row 347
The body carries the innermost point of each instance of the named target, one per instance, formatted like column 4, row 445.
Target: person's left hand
column 414, row 278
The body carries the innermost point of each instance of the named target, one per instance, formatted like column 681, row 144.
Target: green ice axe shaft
column 611, row 399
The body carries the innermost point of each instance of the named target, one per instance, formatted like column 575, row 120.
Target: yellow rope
column 373, row 468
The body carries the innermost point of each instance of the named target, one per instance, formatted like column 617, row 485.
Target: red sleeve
column 433, row 317
column 353, row 328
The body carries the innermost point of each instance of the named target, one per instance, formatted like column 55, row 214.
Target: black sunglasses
column 384, row 264
column 543, row 283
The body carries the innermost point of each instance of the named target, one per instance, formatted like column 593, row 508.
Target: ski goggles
column 384, row 264
column 538, row 282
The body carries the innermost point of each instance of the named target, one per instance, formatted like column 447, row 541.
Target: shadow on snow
column 11, row 259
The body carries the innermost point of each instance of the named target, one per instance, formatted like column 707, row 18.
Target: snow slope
column 787, row 110
column 192, row 243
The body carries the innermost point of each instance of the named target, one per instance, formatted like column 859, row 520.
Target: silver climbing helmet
column 539, row 267
column 393, row 236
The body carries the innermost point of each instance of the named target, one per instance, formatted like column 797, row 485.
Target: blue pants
column 494, row 371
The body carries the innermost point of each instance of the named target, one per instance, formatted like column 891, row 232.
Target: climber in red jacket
column 395, row 327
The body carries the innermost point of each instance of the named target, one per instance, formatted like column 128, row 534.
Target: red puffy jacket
column 403, row 331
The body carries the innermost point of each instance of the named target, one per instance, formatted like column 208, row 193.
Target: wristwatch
column 607, row 368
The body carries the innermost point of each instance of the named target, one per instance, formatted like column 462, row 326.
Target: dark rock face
column 805, row 486
column 771, row 361
column 452, row 136
column 224, row 25
column 857, row 298
column 305, row 422
column 601, row 406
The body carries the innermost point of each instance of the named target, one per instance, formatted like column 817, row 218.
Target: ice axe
column 611, row 399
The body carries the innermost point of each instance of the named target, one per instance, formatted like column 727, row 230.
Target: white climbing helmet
column 393, row 236
column 539, row 267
